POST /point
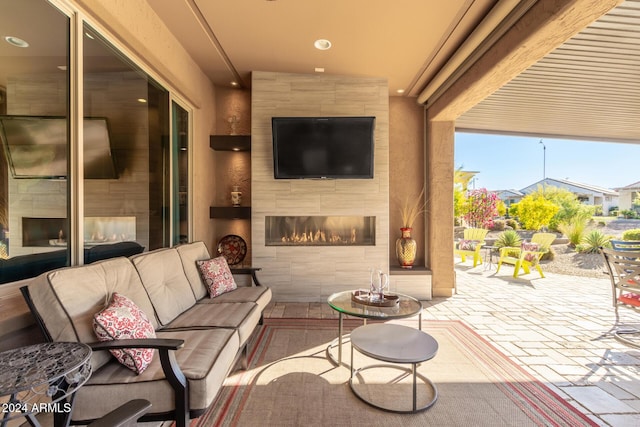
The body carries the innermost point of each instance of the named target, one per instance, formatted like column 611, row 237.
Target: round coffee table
column 394, row 344
column 342, row 302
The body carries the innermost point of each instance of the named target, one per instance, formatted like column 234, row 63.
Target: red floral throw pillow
column 468, row 245
column 216, row 276
column 529, row 247
column 122, row 319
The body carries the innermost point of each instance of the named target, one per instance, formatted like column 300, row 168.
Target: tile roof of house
column 593, row 188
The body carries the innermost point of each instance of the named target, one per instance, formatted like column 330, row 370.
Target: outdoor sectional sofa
column 199, row 339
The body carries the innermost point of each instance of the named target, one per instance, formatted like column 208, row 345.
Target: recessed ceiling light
column 319, row 70
column 16, row 41
column 142, row 100
column 234, row 83
column 236, row 149
column 322, row 44
column 400, row 91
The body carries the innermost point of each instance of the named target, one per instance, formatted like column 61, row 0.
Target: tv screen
column 36, row 147
column 323, row 147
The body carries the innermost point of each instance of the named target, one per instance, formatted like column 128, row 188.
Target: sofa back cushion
column 164, row 279
column 68, row 298
column 190, row 253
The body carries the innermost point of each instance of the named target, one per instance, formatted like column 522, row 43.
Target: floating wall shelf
column 230, row 212
column 230, row 142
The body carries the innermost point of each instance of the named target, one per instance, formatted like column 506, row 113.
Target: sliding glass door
column 130, row 192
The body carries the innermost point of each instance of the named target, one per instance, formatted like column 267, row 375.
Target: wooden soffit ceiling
column 588, row 88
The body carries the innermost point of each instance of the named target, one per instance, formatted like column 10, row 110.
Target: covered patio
column 556, row 328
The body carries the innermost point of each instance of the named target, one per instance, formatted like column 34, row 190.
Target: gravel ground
column 568, row 261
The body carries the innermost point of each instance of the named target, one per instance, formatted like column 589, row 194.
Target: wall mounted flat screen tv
column 36, row 147
column 323, row 147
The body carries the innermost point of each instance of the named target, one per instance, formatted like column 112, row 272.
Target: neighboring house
column 509, row 197
column 627, row 195
column 587, row 194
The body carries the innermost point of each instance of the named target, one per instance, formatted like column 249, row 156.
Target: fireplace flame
column 320, row 236
column 319, row 230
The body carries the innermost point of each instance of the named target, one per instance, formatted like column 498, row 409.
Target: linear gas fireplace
column 320, row 230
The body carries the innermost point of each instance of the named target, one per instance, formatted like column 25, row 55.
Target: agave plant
column 592, row 242
column 508, row 238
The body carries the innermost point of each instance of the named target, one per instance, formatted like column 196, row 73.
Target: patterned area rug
column 290, row 382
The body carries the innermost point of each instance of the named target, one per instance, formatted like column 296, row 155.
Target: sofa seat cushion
column 233, row 315
column 164, row 279
column 67, row 299
column 260, row 295
column 206, row 359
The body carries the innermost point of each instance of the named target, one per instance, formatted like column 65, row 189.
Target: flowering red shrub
column 480, row 208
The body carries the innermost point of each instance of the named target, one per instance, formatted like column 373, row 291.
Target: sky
column 514, row 162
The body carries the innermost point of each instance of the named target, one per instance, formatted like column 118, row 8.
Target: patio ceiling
column 588, row 88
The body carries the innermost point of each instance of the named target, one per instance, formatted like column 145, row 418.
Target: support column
column 440, row 170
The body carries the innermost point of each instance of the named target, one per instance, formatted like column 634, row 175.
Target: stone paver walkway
column 557, row 328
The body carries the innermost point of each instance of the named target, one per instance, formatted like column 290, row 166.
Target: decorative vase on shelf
column 236, row 196
column 406, row 248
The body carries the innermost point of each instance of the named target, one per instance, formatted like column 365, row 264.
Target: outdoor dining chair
column 624, row 271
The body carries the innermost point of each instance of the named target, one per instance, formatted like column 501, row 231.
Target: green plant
column 592, row 242
column 508, row 238
column 569, row 207
column 633, row 234
column 549, row 255
column 574, row 231
column 498, row 225
column 512, row 223
column 628, row 213
column 534, row 211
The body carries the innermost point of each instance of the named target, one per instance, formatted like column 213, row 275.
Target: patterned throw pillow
column 468, row 245
column 528, row 248
column 122, row 319
column 217, row 276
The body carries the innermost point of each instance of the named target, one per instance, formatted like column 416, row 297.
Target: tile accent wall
column 313, row 273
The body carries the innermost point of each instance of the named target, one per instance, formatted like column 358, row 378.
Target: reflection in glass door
column 180, row 149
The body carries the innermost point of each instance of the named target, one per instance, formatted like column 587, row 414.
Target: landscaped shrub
column 498, row 225
column 592, row 242
column 513, row 224
column 628, row 213
column 458, row 205
column 508, row 238
column 598, row 210
column 633, row 234
column 574, row 231
column 480, row 208
column 534, row 211
column 569, row 207
column 549, row 255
